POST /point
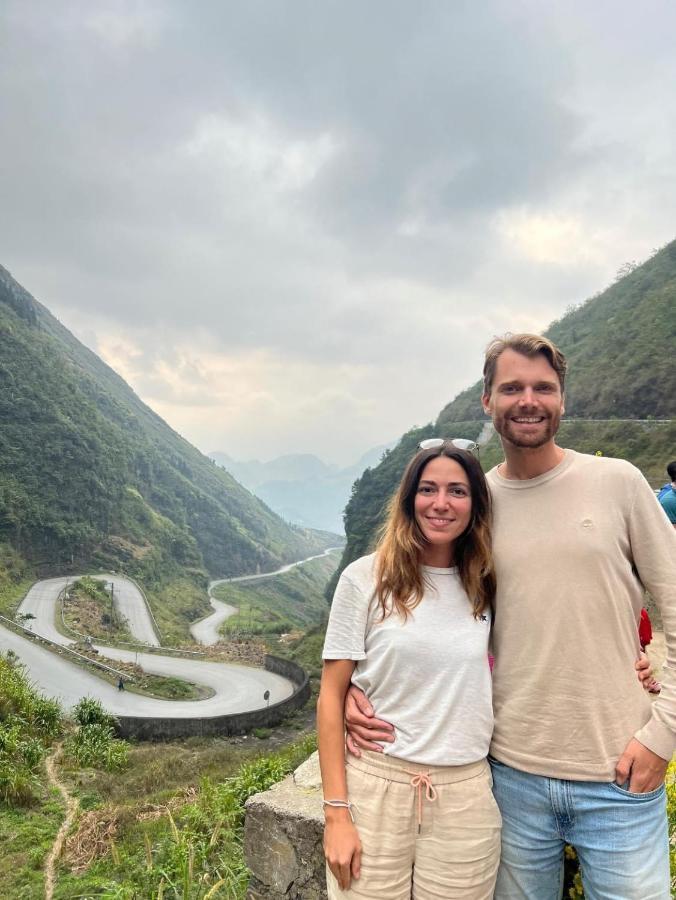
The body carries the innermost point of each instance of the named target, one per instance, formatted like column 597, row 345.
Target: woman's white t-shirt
column 428, row 675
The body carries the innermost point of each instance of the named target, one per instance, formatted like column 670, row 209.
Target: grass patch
column 155, row 772
column 173, row 820
column 176, row 605
column 170, row 688
column 282, row 603
column 306, row 650
column 11, row 595
column 26, row 836
column 15, row 580
column 28, row 724
column 88, row 609
column 94, row 743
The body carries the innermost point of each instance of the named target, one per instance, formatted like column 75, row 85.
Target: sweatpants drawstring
column 420, row 780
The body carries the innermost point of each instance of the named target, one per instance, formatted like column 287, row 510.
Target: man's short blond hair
column 528, row 345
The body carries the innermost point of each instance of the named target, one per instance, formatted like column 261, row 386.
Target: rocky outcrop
column 283, row 838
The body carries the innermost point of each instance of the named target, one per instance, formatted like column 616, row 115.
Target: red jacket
column 645, row 629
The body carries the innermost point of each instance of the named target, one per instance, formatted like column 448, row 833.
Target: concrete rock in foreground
column 283, row 838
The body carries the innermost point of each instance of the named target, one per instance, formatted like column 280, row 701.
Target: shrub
column 94, row 743
column 91, row 587
column 89, row 711
column 28, row 723
column 671, row 817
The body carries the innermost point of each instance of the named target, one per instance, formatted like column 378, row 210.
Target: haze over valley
column 302, row 488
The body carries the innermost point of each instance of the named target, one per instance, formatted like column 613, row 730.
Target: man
column 667, row 496
column 671, row 472
column 579, row 754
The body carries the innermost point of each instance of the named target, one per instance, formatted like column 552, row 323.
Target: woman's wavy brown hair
column 400, row 581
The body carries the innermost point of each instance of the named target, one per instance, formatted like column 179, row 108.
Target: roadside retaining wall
column 283, row 834
column 144, row 729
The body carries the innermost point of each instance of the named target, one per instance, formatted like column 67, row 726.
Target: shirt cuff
column 344, row 654
column 658, row 738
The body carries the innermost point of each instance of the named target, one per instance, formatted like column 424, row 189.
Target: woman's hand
column 342, row 847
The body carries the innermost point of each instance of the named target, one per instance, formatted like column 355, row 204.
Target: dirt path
column 71, row 804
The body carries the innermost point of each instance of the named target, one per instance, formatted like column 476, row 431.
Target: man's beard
column 519, row 438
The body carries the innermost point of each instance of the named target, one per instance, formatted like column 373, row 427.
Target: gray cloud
column 243, row 193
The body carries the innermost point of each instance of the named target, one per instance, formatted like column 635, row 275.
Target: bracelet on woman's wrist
column 340, row 804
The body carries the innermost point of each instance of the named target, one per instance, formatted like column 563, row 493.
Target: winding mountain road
column 236, row 688
column 206, row 631
column 41, row 602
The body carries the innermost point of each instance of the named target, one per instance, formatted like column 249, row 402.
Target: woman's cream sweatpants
column 413, row 846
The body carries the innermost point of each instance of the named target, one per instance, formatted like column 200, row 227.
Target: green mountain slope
column 620, row 348
column 88, row 473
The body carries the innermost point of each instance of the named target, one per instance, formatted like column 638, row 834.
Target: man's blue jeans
column 621, row 838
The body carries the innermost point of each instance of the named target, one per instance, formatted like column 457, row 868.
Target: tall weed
column 90, row 711
column 195, row 853
column 28, row 724
column 94, row 743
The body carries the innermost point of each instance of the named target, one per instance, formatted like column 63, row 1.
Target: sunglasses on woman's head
column 460, row 443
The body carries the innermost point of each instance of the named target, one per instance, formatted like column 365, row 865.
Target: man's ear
column 563, row 404
column 486, row 403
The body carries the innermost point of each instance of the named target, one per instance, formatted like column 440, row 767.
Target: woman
column 409, row 625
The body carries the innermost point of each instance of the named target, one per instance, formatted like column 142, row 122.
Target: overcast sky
column 293, row 226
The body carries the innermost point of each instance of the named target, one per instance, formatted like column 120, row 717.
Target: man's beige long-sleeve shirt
column 573, row 549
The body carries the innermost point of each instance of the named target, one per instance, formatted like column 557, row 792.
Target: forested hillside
column 89, row 474
column 620, row 348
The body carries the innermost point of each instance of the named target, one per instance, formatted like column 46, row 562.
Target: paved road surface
column 41, row 601
column 130, row 604
column 206, row 631
column 238, row 688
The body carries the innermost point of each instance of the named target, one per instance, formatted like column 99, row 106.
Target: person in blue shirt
column 671, row 472
column 667, row 496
